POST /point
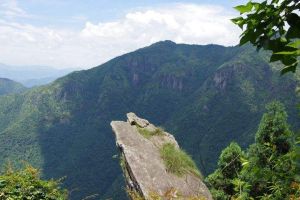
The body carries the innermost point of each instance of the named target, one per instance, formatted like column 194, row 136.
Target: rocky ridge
column 144, row 169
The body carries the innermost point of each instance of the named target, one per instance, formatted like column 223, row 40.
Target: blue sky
column 73, row 13
column 76, row 33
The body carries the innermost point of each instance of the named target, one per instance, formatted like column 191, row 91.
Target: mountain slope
column 206, row 95
column 9, row 87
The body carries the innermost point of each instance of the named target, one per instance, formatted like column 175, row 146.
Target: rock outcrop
column 140, row 144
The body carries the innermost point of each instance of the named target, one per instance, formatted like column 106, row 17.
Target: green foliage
column 10, row 87
column 26, row 184
column 219, row 194
column 273, row 137
column 231, row 160
column 63, row 128
column 229, row 167
column 268, row 171
column 148, row 134
column 177, row 161
column 273, row 25
column 271, row 158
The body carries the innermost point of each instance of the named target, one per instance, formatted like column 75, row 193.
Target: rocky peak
column 147, row 176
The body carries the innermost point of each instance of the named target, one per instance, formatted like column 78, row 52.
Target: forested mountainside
column 206, row 95
column 8, row 86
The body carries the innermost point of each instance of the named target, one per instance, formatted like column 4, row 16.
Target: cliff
column 154, row 166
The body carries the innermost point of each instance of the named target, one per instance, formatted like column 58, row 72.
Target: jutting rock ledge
column 147, row 172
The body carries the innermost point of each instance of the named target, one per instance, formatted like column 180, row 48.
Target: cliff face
column 144, row 167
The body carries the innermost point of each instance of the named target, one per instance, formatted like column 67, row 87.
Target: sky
column 84, row 34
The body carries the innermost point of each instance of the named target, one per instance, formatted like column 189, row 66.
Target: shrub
column 26, row 184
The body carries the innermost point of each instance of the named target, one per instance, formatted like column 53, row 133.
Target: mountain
column 32, row 75
column 8, row 86
column 206, row 96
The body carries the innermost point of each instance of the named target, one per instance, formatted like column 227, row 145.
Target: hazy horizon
column 75, row 34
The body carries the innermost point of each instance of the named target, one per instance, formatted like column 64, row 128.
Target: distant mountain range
column 206, row 95
column 32, row 75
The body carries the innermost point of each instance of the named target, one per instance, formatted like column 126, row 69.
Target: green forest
column 233, row 109
column 10, row 87
column 66, row 124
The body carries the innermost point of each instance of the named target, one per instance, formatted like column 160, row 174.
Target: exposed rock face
column 172, row 82
column 134, row 120
column 144, row 169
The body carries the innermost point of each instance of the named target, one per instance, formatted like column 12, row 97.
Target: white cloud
column 11, row 9
column 96, row 43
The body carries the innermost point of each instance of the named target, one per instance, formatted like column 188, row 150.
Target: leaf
column 275, row 45
column 244, row 161
column 235, row 20
column 244, row 40
column 256, row 5
column 295, row 44
column 289, row 60
column 286, row 53
column 244, row 8
column 274, row 1
column 291, row 68
column 293, row 32
column 248, row 36
column 293, row 19
column 238, row 21
column 276, row 57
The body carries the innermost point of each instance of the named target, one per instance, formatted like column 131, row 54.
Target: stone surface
column 134, row 120
column 143, row 167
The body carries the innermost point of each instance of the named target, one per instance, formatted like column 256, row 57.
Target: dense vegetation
column 275, row 26
column 267, row 170
column 206, row 95
column 9, row 87
column 25, row 184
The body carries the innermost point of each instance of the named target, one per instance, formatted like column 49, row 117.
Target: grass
column 134, row 195
column 177, row 161
column 148, row 134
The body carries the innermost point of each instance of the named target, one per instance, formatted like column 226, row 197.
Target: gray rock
column 134, row 120
column 143, row 167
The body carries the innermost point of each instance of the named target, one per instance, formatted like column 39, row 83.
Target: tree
column 272, row 25
column 26, row 184
column 268, row 169
column 271, row 167
column 229, row 168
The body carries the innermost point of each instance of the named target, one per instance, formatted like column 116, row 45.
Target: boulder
column 144, row 169
column 135, row 120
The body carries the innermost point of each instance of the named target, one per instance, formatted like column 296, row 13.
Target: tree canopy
column 26, row 184
column 267, row 170
column 272, row 25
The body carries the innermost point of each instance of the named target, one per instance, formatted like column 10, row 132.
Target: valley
column 207, row 95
